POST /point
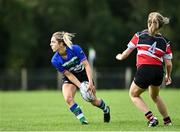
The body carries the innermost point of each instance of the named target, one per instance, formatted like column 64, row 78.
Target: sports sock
column 167, row 120
column 103, row 106
column 149, row 115
column 78, row 112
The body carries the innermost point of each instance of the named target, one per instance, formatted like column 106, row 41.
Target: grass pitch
column 47, row 111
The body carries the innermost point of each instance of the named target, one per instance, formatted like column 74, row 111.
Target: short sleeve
column 79, row 52
column 168, row 55
column 133, row 43
column 57, row 66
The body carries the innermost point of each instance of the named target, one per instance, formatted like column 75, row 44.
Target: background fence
column 44, row 78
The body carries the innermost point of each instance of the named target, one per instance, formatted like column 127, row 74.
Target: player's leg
column 143, row 78
column 102, row 105
column 134, row 93
column 69, row 91
column 154, row 93
column 97, row 102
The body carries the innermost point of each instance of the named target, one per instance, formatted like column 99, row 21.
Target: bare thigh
column 69, row 91
column 135, row 90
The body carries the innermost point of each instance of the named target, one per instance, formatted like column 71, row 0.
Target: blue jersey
column 72, row 63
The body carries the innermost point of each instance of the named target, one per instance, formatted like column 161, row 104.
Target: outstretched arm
column 125, row 54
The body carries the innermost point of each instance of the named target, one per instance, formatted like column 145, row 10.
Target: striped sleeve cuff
column 131, row 45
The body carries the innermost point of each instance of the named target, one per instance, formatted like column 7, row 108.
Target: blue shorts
column 147, row 75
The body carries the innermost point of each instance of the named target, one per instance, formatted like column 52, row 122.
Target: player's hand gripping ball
column 85, row 93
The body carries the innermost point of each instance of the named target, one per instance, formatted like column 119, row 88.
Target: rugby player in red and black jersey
column 152, row 49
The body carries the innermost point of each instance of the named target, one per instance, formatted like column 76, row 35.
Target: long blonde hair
column 161, row 21
column 64, row 37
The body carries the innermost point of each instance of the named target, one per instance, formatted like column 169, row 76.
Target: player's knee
column 95, row 102
column 132, row 94
column 69, row 100
column 154, row 97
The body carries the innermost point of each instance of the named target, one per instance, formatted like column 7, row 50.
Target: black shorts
column 82, row 76
column 149, row 75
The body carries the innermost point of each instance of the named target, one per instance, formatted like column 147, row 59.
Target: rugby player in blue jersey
column 70, row 60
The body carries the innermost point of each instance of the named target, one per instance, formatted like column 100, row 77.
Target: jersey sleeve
column 133, row 43
column 57, row 66
column 79, row 52
column 168, row 55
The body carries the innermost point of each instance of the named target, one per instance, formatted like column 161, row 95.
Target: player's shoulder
column 159, row 35
column 75, row 46
column 141, row 33
column 55, row 58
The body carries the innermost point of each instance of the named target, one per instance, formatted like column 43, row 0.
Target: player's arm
column 89, row 75
column 168, row 64
column 81, row 55
column 72, row 78
column 130, row 47
column 125, row 54
column 168, row 67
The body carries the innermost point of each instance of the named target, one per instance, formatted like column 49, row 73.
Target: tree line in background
column 26, row 27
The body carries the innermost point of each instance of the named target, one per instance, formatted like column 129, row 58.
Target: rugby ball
column 86, row 95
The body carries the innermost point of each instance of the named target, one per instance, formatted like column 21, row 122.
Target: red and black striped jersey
column 151, row 50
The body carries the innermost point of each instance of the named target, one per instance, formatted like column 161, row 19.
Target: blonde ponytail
column 65, row 37
column 165, row 20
